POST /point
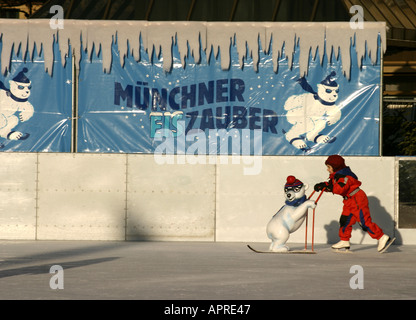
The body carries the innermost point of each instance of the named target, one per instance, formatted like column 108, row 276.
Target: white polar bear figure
column 291, row 216
column 14, row 106
column 309, row 113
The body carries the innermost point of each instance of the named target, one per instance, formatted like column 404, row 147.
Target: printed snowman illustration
column 309, row 113
column 14, row 106
column 291, row 216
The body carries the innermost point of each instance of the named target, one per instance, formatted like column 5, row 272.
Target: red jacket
column 344, row 182
column 355, row 209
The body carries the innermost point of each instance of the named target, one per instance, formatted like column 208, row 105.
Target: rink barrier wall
column 76, row 196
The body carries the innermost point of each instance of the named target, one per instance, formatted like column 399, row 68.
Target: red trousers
column 356, row 210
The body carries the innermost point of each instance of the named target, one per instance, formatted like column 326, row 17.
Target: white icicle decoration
column 101, row 37
column 160, row 39
column 220, row 36
column 247, row 36
column 71, row 35
column 282, row 38
column 190, row 34
column 310, row 37
column 191, row 38
column 128, row 36
column 340, row 45
column 14, row 34
column 43, row 37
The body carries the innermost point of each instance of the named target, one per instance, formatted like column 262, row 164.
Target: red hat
column 291, row 181
column 336, row 162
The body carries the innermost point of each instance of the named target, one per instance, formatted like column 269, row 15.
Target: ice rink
column 200, row 271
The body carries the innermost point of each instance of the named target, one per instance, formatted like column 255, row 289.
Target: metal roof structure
column 199, row 10
column 399, row 15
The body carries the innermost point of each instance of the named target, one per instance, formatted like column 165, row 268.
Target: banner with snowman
column 35, row 109
column 201, row 88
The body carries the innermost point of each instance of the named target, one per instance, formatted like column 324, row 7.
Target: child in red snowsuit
column 344, row 182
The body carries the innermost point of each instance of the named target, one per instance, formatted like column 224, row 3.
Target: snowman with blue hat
column 14, row 106
column 311, row 112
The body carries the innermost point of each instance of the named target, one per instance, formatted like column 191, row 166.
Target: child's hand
column 320, row 186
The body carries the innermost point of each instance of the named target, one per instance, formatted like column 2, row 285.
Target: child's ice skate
column 384, row 242
column 342, row 246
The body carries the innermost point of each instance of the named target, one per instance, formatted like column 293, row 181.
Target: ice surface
column 192, row 38
column 188, row 270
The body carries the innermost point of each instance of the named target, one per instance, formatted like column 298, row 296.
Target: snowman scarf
column 296, row 202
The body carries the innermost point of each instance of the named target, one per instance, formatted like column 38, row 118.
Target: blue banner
column 202, row 109
column 35, row 107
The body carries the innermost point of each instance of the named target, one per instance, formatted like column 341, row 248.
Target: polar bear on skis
column 291, row 216
column 309, row 113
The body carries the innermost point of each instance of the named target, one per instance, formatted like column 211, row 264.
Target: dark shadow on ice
column 332, row 232
column 44, row 269
column 380, row 216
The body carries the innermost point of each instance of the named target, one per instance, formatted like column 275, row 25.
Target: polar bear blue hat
column 21, row 77
column 329, row 81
